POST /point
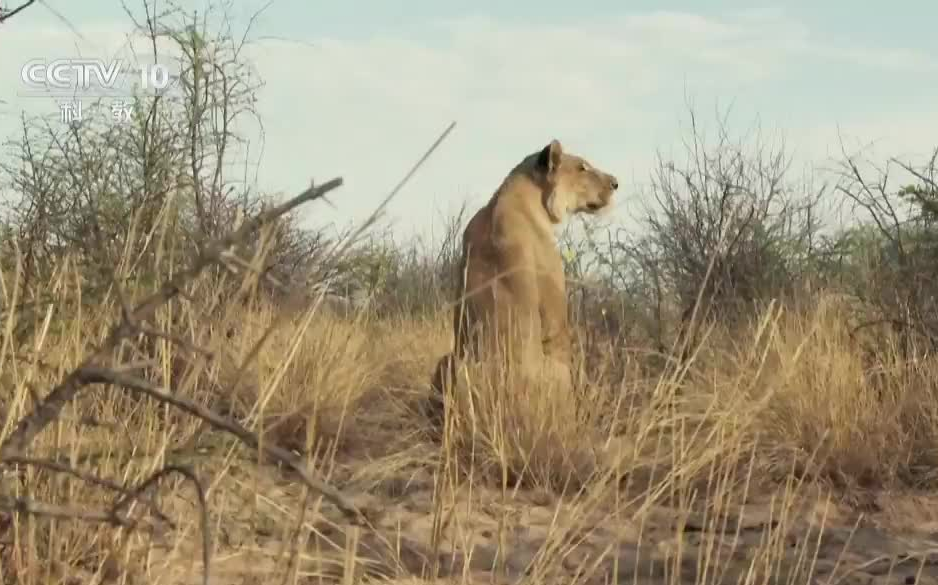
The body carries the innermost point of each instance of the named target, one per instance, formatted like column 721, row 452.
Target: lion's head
column 573, row 184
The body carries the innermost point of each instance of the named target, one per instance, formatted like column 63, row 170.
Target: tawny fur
column 514, row 298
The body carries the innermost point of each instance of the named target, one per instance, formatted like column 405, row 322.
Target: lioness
column 511, row 272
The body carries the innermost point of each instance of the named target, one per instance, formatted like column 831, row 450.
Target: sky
column 360, row 89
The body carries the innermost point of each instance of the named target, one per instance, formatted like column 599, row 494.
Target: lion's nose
column 614, row 182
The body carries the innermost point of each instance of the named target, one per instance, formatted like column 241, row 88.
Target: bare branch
column 89, row 478
column 8, row 13
column 93, row 374
column 33, row 508
column 47, row 411
column 190, row 475
column 176, row 340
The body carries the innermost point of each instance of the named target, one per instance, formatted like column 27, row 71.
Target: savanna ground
column 795, row 441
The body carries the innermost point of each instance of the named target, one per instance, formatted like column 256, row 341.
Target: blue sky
column 361, row 88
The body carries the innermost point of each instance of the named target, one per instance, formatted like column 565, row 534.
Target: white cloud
column 905, row 135
column 612, row 90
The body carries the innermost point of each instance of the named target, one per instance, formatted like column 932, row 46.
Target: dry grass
column 719, row 472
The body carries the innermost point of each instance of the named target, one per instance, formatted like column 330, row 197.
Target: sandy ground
column 533, row 536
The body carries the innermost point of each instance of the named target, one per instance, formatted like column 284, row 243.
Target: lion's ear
column 549, row 159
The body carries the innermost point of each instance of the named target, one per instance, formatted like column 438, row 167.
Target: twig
column 33, row 508
column 400, row 185
column 6, row 15
column 86, row 477
column 93, row 374
column 189, row 474
column 176, row 340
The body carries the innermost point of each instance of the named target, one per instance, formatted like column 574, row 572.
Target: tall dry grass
column 791, row 401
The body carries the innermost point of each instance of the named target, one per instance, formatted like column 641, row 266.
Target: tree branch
column 8, row 13
column 48, row 411
column 93, row 375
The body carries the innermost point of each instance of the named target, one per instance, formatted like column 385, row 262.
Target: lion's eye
column 582, row 166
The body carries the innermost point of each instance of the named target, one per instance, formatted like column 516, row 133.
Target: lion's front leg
column 556, row 345
column 516, row 303
column 441, row 384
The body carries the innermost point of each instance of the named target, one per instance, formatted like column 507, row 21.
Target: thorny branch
column 27, row 506
column 94, row 375
column 8, row 13
column 113, row 516
column 91, row 370
column 89, row 478
column 50, row 409
column 190, row 475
